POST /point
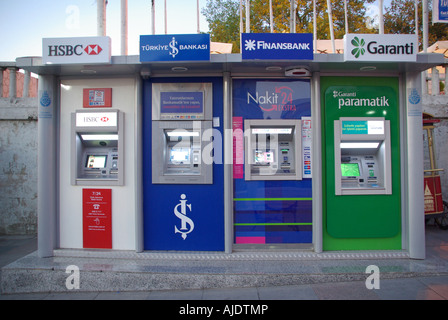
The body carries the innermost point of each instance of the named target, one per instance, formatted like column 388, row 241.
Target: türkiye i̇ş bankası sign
column 384, row 47
column 175, row 47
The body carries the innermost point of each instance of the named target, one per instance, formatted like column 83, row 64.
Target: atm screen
column 96, row 162
column 180, row 155
column 264, row 157
column 350, row 170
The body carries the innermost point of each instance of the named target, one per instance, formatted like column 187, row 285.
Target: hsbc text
column 65, row 50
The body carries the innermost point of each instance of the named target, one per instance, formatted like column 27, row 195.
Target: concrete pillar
column 124, row 27
column 26, row 84
column 228, row 160
column 101, row 18
column 12, row 82
column 435, row 85
column 414, row 173
column 317, row 160
column 47, row 165
column 1, row 81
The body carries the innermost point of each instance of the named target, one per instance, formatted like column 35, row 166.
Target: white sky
column 24, row 23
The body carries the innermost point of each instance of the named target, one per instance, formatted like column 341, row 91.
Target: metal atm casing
column 363, row 144
column 279, row 143
column 97, row 148
column 181, row 134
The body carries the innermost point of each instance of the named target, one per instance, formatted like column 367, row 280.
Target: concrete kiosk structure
column 208, row 103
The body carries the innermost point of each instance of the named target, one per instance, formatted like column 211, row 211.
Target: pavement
column 331, row 278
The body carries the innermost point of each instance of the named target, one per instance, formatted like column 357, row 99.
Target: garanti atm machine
column 272, row 150
column 362, row 156
column 97, row 146
column 181, row 113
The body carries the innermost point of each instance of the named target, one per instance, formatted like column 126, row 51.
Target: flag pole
column 199, row 29
column 314, row 26
column 380, row 7
column 346, row 17
column 166, row 23
column 247, row 16
column 330, row 20
column 153, row 17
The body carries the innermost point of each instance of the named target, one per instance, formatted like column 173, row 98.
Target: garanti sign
column 380, row 47
column 84, row 50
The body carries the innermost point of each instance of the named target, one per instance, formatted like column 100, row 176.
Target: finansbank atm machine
column 362, row 156
column 273, row 150
column 181, row 122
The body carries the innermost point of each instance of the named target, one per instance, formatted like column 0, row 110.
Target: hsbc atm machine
column 97, row 146
column 362, row 156
column 181, row 119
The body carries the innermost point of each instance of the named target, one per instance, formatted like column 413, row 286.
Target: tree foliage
column 400, row 18
column 223, row 17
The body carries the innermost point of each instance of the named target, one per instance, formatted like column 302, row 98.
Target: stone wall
column 18, row 166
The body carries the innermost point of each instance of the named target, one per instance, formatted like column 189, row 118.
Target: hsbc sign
column 76, row 50
column 96, row 119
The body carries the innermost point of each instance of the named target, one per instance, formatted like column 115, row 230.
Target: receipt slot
column 273, row 150
column 181, row 130
column 362, row 156
column 97, row 148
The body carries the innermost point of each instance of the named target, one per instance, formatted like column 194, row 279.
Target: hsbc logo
column 76, row 50
column 93, row 49
column 96, row 119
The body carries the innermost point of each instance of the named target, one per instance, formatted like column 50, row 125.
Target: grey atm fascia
column 282, row 151
column 374, row 174
column 106, row 145
column 172, row 138
column 181, row 137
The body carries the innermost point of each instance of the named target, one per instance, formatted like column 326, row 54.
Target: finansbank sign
column 380, row 47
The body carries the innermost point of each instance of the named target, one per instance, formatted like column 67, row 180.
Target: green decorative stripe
column 272, row 199
column 274, row 224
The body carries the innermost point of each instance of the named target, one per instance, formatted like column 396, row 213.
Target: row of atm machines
column 182, row 131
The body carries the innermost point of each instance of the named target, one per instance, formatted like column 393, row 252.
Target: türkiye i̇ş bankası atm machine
column 181, row 114
column 362, row 156
column 273, row 150
column 97, row 147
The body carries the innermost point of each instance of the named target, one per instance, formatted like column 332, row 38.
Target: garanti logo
column 384, row 47
column 359, row 47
